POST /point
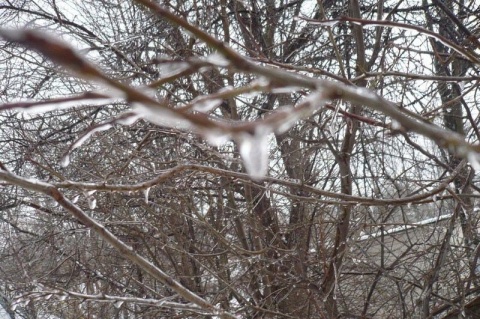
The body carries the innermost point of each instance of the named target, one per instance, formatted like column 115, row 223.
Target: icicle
column 254, row 151
column 145, row 192
column 92, row 202
column 65, row 161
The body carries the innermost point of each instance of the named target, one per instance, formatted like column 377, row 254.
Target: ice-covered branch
column 340, row 198
column 117, row 301
column 252, row 137
column 469, row 55
column 125, row 250
column 87, row 98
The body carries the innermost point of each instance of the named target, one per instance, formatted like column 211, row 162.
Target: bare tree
column 230, row 158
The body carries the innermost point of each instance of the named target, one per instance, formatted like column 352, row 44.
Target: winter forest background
column 239, row 159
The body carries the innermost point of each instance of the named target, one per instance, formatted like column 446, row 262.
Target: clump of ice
column 254, row 151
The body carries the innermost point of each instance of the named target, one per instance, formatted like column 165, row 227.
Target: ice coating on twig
column 12, row 35
column 290, row 118
column 161, row 116
column 65, row 161
column 324, row 23
column 54, row 49
column 254, row 151
column 87, row 135
column 206, row 105
column 285, row 89
column 218, row 60
column 55, row 104
column 127, row 118
column 172, row 68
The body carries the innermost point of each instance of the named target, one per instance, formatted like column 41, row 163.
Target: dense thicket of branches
column 368, row 208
